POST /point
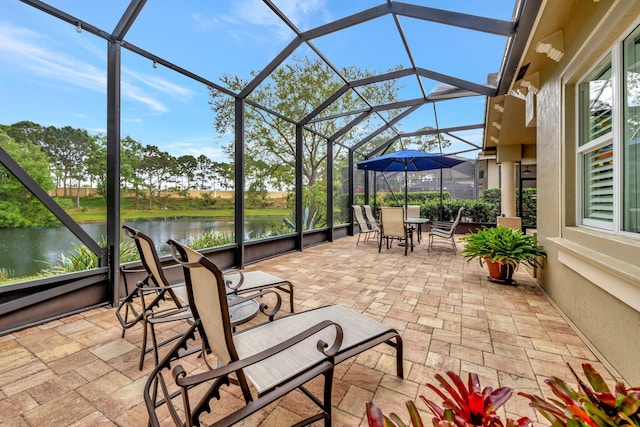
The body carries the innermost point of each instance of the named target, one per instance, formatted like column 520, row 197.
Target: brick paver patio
column 78, row 371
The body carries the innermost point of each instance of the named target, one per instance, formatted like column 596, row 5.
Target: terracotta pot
column 500, row 272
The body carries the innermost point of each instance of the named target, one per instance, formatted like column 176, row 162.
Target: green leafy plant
column 5, row 273
column 82, row 258
column 504, row 245
column 591, row 405
column 210, row 239
column 464, row 406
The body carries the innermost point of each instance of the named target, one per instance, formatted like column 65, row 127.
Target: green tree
column 203, row 171
column 130, row 160
column 187, row 165
column 96, row 165
column 18, row 207
column 157, row 167
column 294, row 90
column 25, row 131
column 68, row 149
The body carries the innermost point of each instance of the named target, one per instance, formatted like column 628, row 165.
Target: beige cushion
column 357, row 329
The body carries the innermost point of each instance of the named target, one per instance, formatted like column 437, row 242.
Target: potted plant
column 503, row 249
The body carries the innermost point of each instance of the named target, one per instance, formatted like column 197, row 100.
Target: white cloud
column 256, row 13
column 156, row 83
column 31, row 54
column 20, row 51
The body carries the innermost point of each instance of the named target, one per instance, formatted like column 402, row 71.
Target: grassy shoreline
column 99, row 215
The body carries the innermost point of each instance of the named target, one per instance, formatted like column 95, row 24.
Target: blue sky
column 53, row 75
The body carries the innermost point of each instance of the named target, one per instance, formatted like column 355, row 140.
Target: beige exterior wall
column 594, row 276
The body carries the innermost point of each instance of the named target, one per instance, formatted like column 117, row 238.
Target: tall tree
column 204, row 168
column 68, row 148
column 130, row 161
column 157, row 167
column 294, row 90
column 187, row 165
column 18, row 208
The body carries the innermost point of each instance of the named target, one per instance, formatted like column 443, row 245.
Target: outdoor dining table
column 418, row 223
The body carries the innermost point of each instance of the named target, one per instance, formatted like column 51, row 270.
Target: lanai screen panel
column 234, row 38
column 53, row 83
column 102, row 14
column 373, row 46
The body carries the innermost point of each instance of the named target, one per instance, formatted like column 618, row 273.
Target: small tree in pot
column 503, row 249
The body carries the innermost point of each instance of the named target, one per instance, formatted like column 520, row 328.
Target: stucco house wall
column 593, row 275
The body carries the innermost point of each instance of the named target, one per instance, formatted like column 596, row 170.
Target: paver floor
column 78, row 371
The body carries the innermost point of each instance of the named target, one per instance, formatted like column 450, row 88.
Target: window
column 595, row 138
column 608, row 146
column 631, row 137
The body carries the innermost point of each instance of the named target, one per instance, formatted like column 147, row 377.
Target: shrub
column 591, row 405
column 210, row 239
column 464, row 406
column 82, row 258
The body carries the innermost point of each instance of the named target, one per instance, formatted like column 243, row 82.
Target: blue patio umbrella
column 408, row 161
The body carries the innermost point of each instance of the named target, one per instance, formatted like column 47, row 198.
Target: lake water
column 26, row 251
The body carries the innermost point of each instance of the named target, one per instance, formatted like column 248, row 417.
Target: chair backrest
column 413, row 211
column 148, row 255
column 208, row 301
column 372, row 219
column 392, row 222
column 458, row 218
column 357, row 214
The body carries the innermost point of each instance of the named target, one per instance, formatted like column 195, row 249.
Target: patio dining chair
column 445, row 230
column 362, row 224
column 161, row 301
column 371, row 219
column 393, row 227
column 413, row 211
column 267, row 361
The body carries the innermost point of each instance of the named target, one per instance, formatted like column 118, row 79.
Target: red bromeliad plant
column 463, row 407
column 595, row 406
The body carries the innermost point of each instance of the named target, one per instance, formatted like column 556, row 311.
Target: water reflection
column 26, row 251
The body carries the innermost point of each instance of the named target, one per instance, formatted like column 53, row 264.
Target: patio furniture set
column 265, row 360
column 400, row 223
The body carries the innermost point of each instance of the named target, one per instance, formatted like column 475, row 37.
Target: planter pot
column 500, row 272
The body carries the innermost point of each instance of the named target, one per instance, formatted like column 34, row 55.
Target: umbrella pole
column 406, row 190
column 441, row 207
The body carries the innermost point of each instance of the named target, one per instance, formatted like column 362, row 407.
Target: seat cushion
column 357, row 329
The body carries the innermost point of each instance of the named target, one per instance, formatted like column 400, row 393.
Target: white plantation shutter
column 598, row 185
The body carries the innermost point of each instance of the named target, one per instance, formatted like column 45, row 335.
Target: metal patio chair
column 274, row 358
column 156, row 288
column 362, row 224
column 445, row 230
column 371, row 219
column 393, row 227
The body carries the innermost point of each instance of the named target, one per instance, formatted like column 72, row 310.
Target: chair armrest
column 147, row 289
column 441, row 225
column 182, row 380
column 133, row 269
column 141, row 269
column 169, row 315
column 264, row 308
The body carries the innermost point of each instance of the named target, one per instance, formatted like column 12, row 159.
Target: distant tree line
column 75, row 159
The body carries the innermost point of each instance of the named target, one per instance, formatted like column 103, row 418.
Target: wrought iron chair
column 445, row 230
column 155, row 288
column 362, row 224
column 393, row 227
column 275, row 357
column 158, row 301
